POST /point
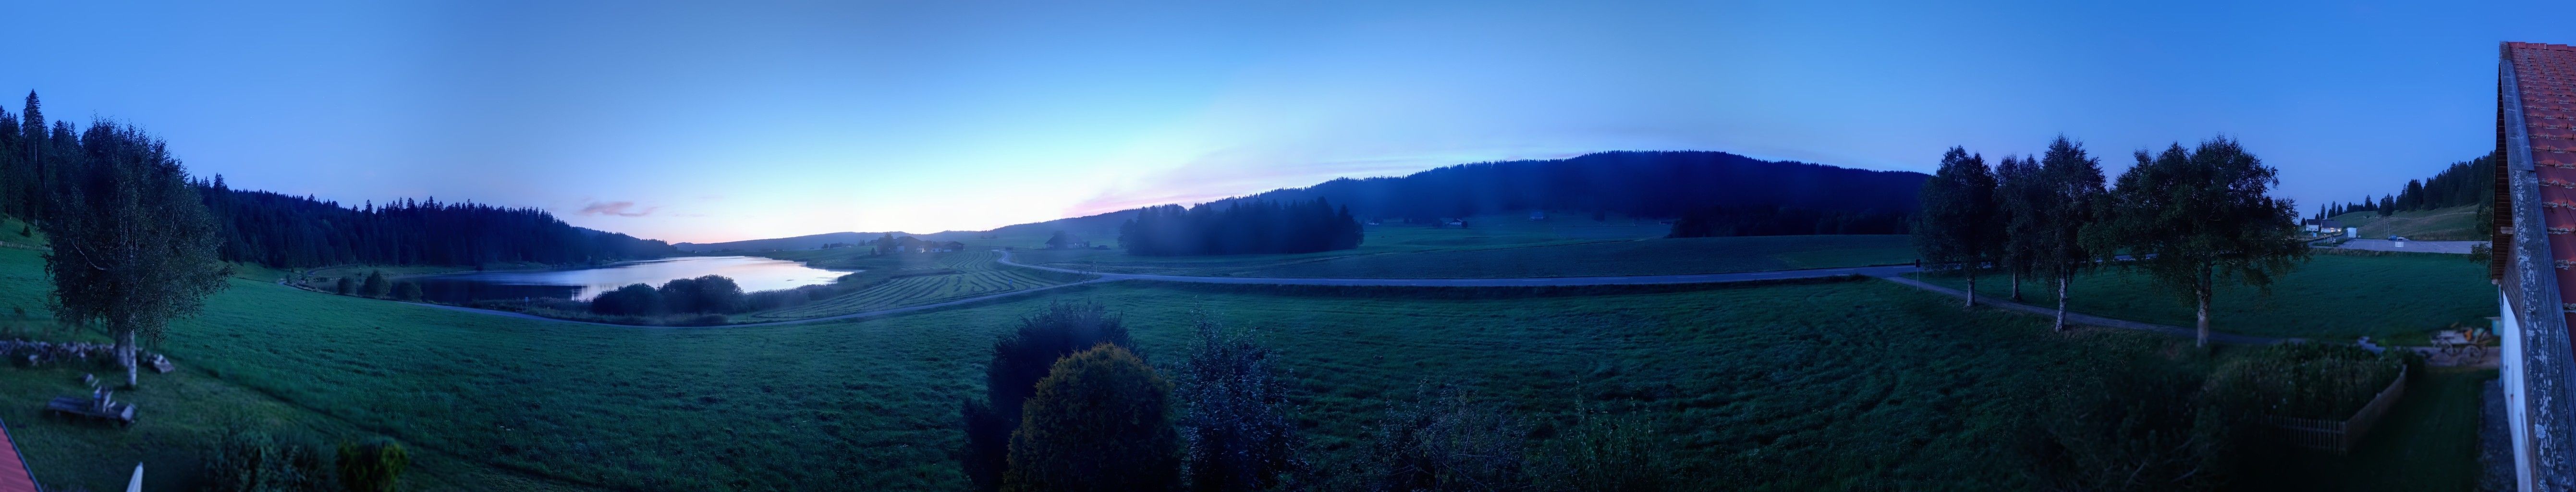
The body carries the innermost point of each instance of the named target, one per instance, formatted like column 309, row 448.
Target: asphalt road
column 1706, row 278
column 2452, row 247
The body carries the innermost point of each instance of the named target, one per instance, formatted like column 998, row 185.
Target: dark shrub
column 708, row 294
column 1234, row 413
column 372, row 467
column 376, row 286
column 346, row 286
column 1020, row 359
column 408, row 291
column 1098, row 422
column 2142, row 424
column 252, row 461
column 1444, row 440
column 631, row 300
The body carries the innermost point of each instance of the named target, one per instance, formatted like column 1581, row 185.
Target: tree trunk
column 1972, row 286
column 2016, row 281
column 2062, row 280
column 2201, row 291
column 125, row 354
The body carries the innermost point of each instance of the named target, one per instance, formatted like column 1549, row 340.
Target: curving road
column 1703, row 278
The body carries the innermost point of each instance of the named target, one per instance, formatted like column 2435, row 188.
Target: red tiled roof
column 2545, row 81
column 14, row 476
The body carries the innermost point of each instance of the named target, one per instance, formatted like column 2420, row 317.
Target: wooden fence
column 2339, row 436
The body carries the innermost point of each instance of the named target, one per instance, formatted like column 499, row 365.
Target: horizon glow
column 694, row 122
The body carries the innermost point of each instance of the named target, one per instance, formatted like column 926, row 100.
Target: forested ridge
column 2470, row 182
column 1641, row 184
column 1240, row 227
column 37, row 156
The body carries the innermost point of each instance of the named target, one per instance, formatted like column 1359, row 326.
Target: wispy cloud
column 620, row 209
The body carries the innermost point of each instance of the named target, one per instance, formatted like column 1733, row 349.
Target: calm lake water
column 752, row 273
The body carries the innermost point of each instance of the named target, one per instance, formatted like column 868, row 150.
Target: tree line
column 2189, row 218
column 2470, row 182
column 292, row 232
column 39, row 157
column 1240, row 227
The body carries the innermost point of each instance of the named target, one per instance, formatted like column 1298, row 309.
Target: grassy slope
column 950, row 276
column 1515, row 247
column 2455, row 223
column 2397, row 297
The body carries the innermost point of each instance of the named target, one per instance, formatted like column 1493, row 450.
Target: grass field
column 2442, row 224
column 1828, row 385
column 2428, row 442
column 1569, row 258
column 1798, row 371
column 2398, row 297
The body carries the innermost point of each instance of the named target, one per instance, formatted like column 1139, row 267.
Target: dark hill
column 1733, row 194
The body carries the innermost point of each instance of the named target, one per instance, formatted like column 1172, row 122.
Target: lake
column 752, row 273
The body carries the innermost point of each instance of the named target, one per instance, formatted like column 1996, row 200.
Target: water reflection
column 752, row 273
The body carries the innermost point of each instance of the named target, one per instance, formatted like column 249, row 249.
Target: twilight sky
column 718, row 121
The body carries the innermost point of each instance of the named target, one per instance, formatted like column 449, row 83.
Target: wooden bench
column 89, row 408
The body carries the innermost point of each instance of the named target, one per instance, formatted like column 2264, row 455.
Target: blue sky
column 715, row 121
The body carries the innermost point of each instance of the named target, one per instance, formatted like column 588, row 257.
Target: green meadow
column 2396, row 296
column 2442, row 224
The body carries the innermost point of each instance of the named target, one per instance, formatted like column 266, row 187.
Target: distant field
column 1517, row 250
column 2442, row 224
column 946, row 277
column 2398, row 297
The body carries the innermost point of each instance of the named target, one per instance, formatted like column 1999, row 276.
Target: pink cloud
column 620, row 209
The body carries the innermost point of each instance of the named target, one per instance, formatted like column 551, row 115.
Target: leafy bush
column 2137, row 424
column 1442, row 441
column 1020, row 359
column 2307, row 380
column 631, row 300
column 372, row 467
column 407, row 291
column 252, row 461
column 376, row 286
column 1099, row 421
column 1234, row 413
column 708, row 294
column 346, row 286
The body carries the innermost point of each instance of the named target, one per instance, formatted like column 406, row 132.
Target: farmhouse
column 2535, row 242
column 2322, row 227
